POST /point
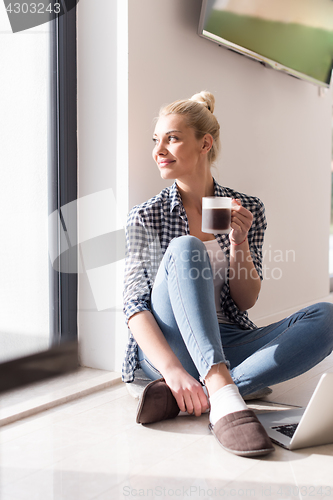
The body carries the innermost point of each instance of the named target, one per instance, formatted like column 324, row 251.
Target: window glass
column 24, row 283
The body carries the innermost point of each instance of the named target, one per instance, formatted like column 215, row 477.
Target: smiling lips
column 164, row 162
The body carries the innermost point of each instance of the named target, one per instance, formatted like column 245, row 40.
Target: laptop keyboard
column 287, row 430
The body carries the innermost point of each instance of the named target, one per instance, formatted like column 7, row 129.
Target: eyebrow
column 172, row 131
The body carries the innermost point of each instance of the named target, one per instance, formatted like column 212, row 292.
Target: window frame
column 63, row 178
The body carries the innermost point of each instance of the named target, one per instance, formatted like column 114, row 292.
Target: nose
column 160, row 148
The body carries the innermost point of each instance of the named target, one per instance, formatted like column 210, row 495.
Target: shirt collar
column 176, row 200
column 219, row 190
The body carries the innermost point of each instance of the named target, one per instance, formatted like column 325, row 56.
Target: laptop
column 303, row 427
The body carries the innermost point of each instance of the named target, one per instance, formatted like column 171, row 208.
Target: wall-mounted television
column 293, row 36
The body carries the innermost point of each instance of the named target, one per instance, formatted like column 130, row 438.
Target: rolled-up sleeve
column 143, row 254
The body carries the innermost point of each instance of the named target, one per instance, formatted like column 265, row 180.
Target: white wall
column 103, row 171
column 275, row 144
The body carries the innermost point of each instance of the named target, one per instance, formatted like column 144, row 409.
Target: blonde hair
column 198, row 113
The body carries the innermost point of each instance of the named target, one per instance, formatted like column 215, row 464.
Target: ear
column 207, row 143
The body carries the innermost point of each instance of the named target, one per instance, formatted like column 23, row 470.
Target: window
column 38, row 177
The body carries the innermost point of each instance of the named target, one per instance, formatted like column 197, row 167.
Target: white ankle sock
column 225, row 400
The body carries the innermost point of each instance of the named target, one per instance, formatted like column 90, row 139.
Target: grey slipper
column 242, row 434
column 156, row 403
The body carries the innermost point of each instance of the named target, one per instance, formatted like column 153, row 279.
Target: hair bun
column 205, row 98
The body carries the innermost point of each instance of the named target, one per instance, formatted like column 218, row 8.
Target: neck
column 193, row 190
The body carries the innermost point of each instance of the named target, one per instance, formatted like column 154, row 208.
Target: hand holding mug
column 241, row 221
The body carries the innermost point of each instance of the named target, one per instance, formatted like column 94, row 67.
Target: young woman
column 187, row 292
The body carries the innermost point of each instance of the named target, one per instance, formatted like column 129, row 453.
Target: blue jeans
column 183, row 305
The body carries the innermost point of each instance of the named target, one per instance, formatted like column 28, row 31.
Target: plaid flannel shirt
column 150, row 228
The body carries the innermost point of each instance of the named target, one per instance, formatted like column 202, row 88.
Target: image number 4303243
column 24, row 14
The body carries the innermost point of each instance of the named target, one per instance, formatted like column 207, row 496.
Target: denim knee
column 326, row 322
column 321, row 315
column 187, row 242
column 189, row 249
column 190, row 253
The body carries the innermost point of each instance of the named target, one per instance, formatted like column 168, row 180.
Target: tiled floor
column 91, row 448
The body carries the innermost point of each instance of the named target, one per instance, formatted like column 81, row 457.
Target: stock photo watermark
column 218, row 264
column 205, row 493
column 24, row 15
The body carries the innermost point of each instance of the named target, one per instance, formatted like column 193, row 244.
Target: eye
column 155, row 140
column 173, row 138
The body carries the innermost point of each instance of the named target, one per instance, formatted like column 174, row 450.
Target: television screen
column 294, row 36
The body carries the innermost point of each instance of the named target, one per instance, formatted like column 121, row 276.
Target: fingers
column 204, row 401
column 200, row 401
column 241, row 216
column 241, row 219
column 180, row 401
column 198, row 404
column 192, row 400
column 239, row 225
column 188, row 391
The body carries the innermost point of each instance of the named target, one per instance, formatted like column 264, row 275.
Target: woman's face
column 177, row 152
